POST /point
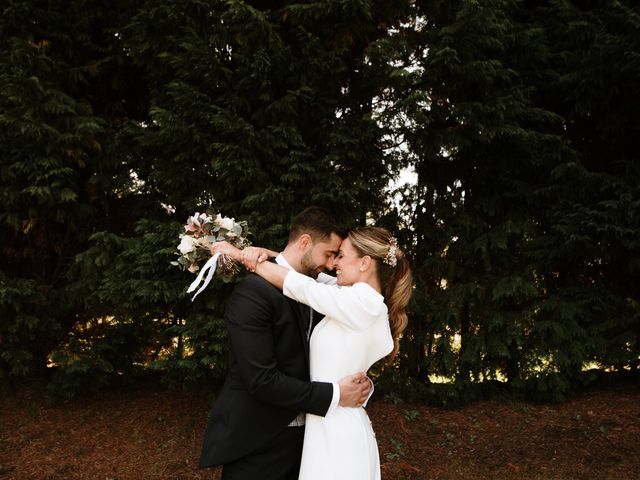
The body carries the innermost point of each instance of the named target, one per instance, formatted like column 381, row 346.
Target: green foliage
column 134, row 115
column 397, row 451
column 518, row 119
column 523, row 207
column 94, row 356
column 61, row 174
column 22, row 303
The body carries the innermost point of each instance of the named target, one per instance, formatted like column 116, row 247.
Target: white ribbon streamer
column 210, row 266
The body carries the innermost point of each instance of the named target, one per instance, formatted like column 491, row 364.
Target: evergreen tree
column 64, row 90
column 254, row 110
column 589, row 256
column 120, row 120
column 265, row 108
column 504, row 188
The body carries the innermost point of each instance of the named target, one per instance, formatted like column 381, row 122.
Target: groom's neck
column 290, row 255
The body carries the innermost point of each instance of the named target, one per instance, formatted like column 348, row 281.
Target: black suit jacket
column 267, row 381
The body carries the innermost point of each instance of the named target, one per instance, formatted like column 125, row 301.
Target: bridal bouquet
column 194, row 255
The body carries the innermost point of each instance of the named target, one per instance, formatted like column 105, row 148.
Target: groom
column 256, row 428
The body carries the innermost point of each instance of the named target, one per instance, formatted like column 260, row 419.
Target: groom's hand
column 354, row 390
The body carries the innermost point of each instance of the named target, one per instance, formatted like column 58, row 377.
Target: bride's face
column 348, row 264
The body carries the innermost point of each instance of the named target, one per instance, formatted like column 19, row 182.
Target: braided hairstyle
column 394, row 275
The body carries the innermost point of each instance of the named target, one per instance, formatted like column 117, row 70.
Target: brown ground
column 149, row 432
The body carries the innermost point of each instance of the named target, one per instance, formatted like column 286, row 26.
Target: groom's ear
column 305, row 241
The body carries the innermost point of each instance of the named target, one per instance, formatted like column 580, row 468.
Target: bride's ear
column 365, row 263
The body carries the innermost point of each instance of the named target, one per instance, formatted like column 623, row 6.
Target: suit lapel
column 303, row 323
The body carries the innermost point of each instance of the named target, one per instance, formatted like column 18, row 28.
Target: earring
column 362, row 269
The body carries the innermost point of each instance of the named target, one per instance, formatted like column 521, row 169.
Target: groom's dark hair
column 317, row 222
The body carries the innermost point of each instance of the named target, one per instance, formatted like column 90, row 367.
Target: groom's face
column 320, row 256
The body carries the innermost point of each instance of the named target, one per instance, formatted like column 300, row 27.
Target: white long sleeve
column 356, row 307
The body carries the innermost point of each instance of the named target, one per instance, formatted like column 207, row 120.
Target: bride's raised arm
column 351, row 307
column 254, row 259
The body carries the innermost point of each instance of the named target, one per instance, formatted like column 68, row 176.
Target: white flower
column 199, row 219
column 200, row 232
column 187, row 244
column 225, row 222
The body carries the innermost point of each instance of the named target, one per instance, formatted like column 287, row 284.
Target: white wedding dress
column 353, row 335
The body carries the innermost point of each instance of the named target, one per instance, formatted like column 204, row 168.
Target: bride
column 364, row 315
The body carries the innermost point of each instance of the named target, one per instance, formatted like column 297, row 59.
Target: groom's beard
column 307, row 266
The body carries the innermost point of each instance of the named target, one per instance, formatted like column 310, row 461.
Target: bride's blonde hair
column 394, row 275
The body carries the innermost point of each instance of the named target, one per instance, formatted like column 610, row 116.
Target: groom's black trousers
column 278, row 459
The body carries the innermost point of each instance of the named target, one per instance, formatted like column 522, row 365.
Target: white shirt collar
column 280, row 260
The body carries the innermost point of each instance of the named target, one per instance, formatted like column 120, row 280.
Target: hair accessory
column 391, row 259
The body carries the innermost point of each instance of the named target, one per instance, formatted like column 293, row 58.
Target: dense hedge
column 517, row 119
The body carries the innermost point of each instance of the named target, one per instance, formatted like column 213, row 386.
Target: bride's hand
column 252, row 256
column 225, row 248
